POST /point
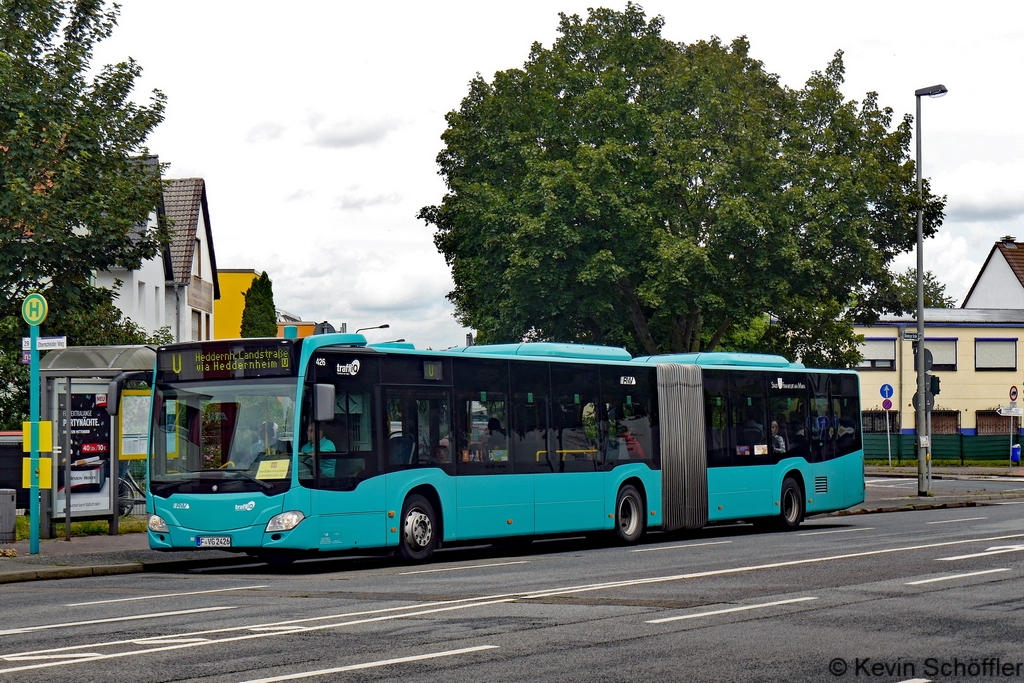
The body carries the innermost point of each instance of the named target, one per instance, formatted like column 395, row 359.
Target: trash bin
column 7, row 511
column 1015, row 453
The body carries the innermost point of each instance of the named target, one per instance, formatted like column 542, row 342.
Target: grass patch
column 125, row 525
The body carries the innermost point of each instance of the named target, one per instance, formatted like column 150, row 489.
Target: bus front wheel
column 629, row 515
column 418, row 529
column 791, row 502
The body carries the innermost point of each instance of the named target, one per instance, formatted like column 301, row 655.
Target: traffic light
column 933, row 385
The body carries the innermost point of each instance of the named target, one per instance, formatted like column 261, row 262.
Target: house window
column 873, row 421
column 207, row 316
column 995, row 354
column 991, row 423
column 197, row 330
column 943, row 353
column 197, row 260
column 879, row 354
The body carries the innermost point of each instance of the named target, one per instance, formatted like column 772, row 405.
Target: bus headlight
column 157, row 523
column 286, row 521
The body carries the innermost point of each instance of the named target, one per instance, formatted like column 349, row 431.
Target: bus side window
column 574, row 391
column 747, row 417
column 822, row 428
column 719, row 445
column 482, row 417
column 528, row 433
column 846, row 414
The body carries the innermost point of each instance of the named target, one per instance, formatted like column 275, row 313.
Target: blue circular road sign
column 886, row 391
column 886, row 404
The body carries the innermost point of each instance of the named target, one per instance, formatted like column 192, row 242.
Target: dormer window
column 197, row 260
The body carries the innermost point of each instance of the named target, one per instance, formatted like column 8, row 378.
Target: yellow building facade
column 227, row 321
column 974, row 355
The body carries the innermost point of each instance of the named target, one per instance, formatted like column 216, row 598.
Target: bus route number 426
column 213, row 541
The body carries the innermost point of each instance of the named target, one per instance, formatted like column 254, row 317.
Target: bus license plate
column 213, row 541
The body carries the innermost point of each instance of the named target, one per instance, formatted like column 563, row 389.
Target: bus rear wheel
column 418, row 529
column 630, row 521
column 791, row 502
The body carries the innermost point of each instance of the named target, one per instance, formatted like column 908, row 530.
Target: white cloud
column 264, row 132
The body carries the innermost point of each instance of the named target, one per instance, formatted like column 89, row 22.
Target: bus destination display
column 223, row 361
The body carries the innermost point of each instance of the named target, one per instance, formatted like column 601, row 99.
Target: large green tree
column 934, row 292
column 76, row 190
column 259, row 317
column 624, row 189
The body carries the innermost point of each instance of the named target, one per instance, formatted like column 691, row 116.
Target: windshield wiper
column 251, row 478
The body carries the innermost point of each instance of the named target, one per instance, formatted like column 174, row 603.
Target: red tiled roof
column 182, row 205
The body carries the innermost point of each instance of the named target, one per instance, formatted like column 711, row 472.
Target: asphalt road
column 927, row 595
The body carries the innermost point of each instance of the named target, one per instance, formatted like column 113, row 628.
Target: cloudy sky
column 316, row 124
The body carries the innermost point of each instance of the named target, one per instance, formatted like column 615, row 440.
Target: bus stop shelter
column 73, row 395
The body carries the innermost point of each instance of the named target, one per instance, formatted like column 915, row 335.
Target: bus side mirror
column 323, row 402
column 117, row 384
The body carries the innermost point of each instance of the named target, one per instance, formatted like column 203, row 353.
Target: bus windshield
column 222, row 437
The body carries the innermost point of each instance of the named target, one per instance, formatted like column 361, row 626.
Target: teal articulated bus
column 285, row 448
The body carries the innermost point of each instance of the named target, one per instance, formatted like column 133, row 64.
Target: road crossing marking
column 956, row 576
column 408, row 611
column 372, row 665
column 676, row 547
column 456, row 569
column 729, row 610
column 163, row 595
column 995, row 550
column 131, row 617
column 840, row 531
column 951, row 521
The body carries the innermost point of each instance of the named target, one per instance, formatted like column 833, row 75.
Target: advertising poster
column 91, row 462
column 134, row 420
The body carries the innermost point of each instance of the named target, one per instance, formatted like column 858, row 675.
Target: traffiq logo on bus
column 245, row 507
column 350, row 369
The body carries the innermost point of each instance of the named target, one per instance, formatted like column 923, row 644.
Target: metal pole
column 33, row 402
column 888, row 439
column 922, row 454
column 67, row 459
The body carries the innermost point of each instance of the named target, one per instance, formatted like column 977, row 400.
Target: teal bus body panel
column 351, row 519
column 485, row 505
column 569, row 501
column 398, row 485
column 650, row 488
column 738, row 492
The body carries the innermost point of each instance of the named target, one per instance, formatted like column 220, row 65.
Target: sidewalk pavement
column 130, row 553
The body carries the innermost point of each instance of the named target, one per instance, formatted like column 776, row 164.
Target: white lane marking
column 773, row 565
column 167, row 640
column 280, row 629
column 995, row 550
column 953, row 521
column 132, row 617
column 840, row 531
column 31, row 658
column 458, row 569
column 677, row 547
column 471, row 602
column 727, row 611
column 917, row 680
column 1008, row 502
column 956, row 576
column 163, row 595
column 83, row 658
column 371, row 665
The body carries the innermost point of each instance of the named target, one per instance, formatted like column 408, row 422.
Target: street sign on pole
column 886, row 391
column 1010, row 412
column 910, row 336
column 886, row 404
column 1013, row 393
column 34, row 309
column 45, row 343
column 929, row 400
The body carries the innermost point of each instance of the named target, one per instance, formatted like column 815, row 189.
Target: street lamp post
column 375, row 327
column 922, row 448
